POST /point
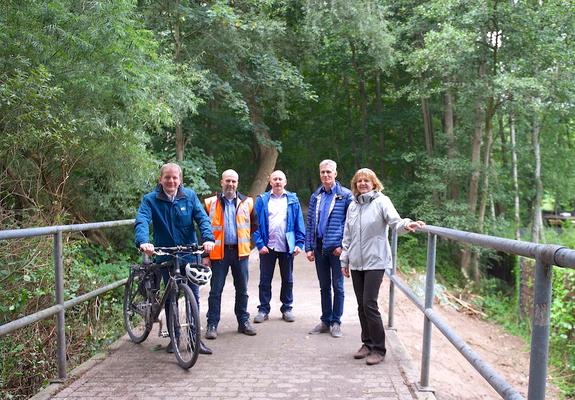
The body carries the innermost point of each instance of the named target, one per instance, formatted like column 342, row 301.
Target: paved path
column 282, row 361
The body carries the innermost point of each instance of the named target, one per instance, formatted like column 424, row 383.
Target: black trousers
column 366, row 287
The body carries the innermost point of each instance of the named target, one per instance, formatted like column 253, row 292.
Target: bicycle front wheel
column 137, row 308
column 184, row 325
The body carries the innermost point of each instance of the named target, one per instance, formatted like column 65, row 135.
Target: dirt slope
column 451, row 375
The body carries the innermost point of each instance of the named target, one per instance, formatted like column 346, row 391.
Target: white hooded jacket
column 365, row 244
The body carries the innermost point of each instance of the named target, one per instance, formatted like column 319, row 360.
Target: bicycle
column 143, row 301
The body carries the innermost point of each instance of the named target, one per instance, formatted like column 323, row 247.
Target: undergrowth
column 29, row 355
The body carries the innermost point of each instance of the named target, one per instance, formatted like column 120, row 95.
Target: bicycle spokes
column 184, row 323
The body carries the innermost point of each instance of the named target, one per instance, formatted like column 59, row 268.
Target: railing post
column 59, row 278
column 540, row 331
column 390, row 319
column 429, row 290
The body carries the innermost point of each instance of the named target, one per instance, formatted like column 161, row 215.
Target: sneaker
column 319, row 328
column 288, row 316
column 247, row 329
column 212, row 332
column 335, row 330
column 374, row 358
column 362, row 352
column 261, row 317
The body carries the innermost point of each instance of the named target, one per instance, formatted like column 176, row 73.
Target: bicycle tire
column 184, row 327
column 137, row 309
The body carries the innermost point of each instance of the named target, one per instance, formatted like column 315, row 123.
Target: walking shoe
column 362, row 352
column 374, row 358
column 212, row 332
column 204, row 349
column 336, row 330
column 247, row 329
column 261, row 317
column 319, row 328
column 288, row 316
column 170, row 348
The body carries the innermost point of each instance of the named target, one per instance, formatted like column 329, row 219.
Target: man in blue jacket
column 324, row 231
column 280, row 236
column 172, row 211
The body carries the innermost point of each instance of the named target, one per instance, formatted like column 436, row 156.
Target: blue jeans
column 267, row 266
column 240, row 273
column 329, row 274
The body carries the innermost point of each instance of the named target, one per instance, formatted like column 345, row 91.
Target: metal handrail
column 60, row 307
column 545, row 255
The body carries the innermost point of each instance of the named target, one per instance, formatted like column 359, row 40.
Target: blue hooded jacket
column 295, row 228
column 173, row 222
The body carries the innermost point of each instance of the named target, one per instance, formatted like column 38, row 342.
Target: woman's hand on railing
column 414, row 225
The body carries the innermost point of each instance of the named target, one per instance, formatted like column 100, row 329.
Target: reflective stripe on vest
column 216, row 213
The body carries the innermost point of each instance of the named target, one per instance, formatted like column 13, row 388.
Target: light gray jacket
column 365, row 244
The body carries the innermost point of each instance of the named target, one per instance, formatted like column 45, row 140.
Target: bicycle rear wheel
column 137, row 308
column 184, row 324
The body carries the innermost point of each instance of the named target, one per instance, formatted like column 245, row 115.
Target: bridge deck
column 282, row 361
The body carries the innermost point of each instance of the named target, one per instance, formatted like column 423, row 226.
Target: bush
column 29, row 355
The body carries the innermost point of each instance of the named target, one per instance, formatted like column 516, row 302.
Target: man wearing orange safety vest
column 233, row 220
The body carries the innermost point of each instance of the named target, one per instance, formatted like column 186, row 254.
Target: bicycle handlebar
column 169, row 251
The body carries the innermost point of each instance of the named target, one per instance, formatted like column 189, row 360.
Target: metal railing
column 60, row 305
column 545, row 255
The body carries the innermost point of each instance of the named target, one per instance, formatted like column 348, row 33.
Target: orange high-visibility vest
column 216, row 213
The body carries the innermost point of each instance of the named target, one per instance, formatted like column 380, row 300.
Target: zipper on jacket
column 360, row 238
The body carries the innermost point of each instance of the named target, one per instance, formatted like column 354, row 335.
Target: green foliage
column 496, row 299
column 28, row 355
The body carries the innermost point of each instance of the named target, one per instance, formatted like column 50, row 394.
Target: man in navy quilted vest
column 324, row 232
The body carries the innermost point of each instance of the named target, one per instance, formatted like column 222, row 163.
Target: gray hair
column 171, row 165
column 330, row 163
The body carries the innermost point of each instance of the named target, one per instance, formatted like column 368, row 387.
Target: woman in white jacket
column 367, row 253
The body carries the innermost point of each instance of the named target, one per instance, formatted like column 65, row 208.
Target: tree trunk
column 351, row 133
column 266, row 150
column 466, row 265
column 453, row 189
column 180, row 142
column 364, row 138
column 379, row 112
column 486, row 164
column 515, row 179
column 520, row 269
column 537, row 225
column 363, row 113
column 428, row 126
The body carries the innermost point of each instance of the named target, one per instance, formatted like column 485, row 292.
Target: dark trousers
column 267, row 266
column 240, row 273
column 366, row 287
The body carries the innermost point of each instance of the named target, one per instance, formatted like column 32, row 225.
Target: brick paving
column 281, row 362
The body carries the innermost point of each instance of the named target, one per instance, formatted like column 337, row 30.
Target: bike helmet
column 198, row 274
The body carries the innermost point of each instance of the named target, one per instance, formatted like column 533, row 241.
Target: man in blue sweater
column 324, row 232
column 280, row 236
column 172, row 211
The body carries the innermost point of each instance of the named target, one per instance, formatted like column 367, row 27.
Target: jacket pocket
column 183, row 214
